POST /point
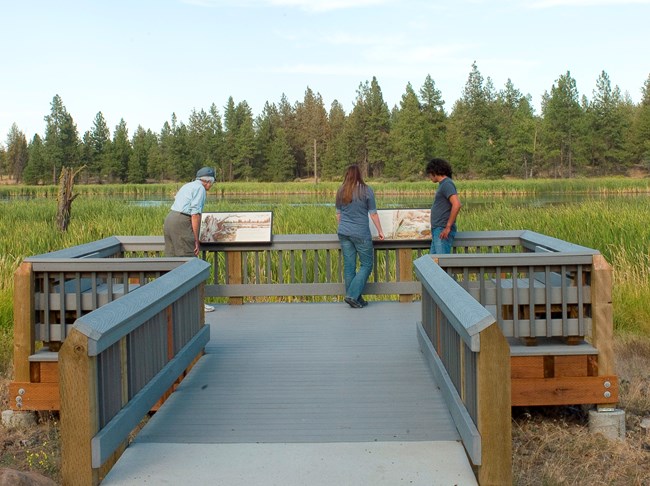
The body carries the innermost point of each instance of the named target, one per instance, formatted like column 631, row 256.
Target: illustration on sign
column 240, row 227
column 404, row 224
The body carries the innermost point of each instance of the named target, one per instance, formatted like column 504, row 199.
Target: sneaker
column 362, row 301
column 355, row 304
column 208, row 308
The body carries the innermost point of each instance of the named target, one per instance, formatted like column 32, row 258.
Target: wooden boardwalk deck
column 303, row 394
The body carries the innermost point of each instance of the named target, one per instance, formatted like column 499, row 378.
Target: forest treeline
column 487, row 133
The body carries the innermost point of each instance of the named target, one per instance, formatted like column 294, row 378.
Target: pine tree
column 143, row 142
column 640, row 138
column 181, row 165
column 608, row 120
column 280, row 160
column 97, row 146
column 409, row 138
column 562, row 126
column 337, row 154
column 311, row 117
column 473, row 127
column 61, row 139
column 516, row 133
column 16, row 154
column 240, row 140
column 121, row 149
column 435, row 119
column 369, row 128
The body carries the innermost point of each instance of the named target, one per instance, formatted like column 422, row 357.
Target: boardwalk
column 304, row 394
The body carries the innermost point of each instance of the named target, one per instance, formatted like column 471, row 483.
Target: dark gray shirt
column 441, row 208
column 354, row 216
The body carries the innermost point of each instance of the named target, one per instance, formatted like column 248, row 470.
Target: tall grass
column 617, row 227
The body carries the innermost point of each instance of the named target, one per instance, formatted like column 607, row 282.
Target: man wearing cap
column 183, row 223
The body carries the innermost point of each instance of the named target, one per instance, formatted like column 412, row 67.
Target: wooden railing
column 532, row 286
column 119, row 360
column 470, row 358
column 536, row 286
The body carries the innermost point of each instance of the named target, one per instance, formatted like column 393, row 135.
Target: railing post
column 24, row 331
column 405, row 262
column 234, row 273
column 79, row 411
column 602, row 319
column 494, row 408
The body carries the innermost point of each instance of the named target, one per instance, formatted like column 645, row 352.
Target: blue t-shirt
column 354, row 216
column 190, row 198
column 441, row 208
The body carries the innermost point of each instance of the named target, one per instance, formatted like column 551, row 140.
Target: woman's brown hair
column 353, row 182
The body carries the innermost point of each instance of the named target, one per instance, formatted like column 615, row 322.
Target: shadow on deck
column 303, row 394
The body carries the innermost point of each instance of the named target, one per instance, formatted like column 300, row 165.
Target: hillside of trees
column 487, row 133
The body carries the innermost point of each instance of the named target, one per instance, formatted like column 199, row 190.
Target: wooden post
column 602, row 316
column 404, row 256
column 494, row 409
column 235, row 274
column 23, row 321
column 79, row 410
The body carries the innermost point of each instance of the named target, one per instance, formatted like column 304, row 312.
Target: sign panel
column 239, row 227
column 403, row 224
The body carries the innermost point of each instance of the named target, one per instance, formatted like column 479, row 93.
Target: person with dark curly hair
column 445, row 208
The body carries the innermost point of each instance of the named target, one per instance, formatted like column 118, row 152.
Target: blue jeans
column 351, row 247
column 441, row 246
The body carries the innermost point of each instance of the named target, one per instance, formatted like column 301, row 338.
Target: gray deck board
column 306, row 373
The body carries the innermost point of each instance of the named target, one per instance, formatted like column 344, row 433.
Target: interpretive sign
column 403, row 224
column 239, row 227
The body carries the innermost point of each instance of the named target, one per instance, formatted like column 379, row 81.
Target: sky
column 143, row 60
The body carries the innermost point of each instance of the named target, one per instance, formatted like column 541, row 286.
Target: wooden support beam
column 602, row 316
column 34, row 396
column 79, row 410
column 405, row 258
column 494, row 411
column 565, row 391
column 23, row 321
column 235, row 276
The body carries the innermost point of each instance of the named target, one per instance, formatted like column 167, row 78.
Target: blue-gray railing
column 120, row 359
column 470, row 359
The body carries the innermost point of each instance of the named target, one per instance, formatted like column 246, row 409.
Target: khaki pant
column 179, row 238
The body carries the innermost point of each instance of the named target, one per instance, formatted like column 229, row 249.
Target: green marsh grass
column 618, row 227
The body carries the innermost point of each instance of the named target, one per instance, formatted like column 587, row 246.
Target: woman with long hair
column 354, row 202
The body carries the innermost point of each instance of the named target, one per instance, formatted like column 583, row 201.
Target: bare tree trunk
column 65, row 197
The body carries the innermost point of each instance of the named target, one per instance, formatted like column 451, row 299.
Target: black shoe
column 362, row 301
column 355, row 304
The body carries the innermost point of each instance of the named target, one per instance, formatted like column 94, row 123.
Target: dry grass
column 553, row 446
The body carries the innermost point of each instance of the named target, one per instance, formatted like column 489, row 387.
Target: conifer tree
column 562, row 127
column 641, row 128
column 311, row 117
column 337, row 155
column 61, row 139
column 97, row 146
column 36, row 169
column 435, row 119
column 16, row 154
column 120, row 154
column 515, row 133
column 408, row 137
